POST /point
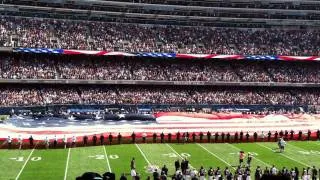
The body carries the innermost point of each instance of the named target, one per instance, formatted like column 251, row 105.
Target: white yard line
column 25, row 163
column 142, row 153
column 67, row 165
column 177, row 153
column 306, row 165
column 266, row 164
column 106, row 155
column 215, row 156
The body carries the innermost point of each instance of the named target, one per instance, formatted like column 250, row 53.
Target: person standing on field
column 46, row 142
column 9, row 142
column 55, row 141
column 64, row 140
column 74, row 140
column 20, row 140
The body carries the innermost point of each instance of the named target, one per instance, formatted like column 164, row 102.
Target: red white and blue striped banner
column 167, row 55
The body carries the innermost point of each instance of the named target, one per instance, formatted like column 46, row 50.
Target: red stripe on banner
column 100, row 53
column 237, row 57
column 210, row 56
column 70, row 52
column 293, row 58
column 185, row 56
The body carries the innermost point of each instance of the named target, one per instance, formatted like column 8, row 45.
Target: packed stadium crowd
column 66, row 34
column 152, row 95
column 86, row 68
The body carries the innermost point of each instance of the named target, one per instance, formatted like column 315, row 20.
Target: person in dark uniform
column 291, row 134
column 55, row 141
column 228, row 137
column 177, row 165
column 249, row 159
column 255, row 136
column 110, row 138
column 241, row 136
column 123, row 177
column 101, row 139
column 201, row 137
column 300, row 135
column 318, row 134
column 309, row 135
column 258, row 173
column 154, row 137
column 209, row 136
column 276, row 136
column 236, row 137
column 133, row 163
column 178, row 137
column 162, row 137
column 193, row 137
column 281, row 133
column 186, row 163
column 216, row 137
column 156, row 175
column 133, row 137
column 269, row 136
column 314, row 173
column 169, row 137
column 222, row 136
column 163, row 176
column 94, row 140
column 119, row 138
column 184, row 137
column 31, row 142
column 286, row 133
column 183, row 166
column 85, row 140
column 247, row 136
column 164, row 170
column 187, row 136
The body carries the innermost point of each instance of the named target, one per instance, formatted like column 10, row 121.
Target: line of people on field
column 184, row 137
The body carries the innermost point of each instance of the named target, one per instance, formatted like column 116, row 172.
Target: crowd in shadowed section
column 155, row 95
column 66, row 34
column 115, row 68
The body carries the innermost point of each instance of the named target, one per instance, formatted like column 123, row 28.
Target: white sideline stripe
column 176, row 152
column 25, row 163
column 67, row 164
column 142, row 153
column 266, row 164
column 216, row 156
column 285, row 156
column 105, row 153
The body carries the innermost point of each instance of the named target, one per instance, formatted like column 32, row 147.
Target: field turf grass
column 69, row 163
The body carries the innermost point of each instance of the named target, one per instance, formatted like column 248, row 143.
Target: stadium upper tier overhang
column 165, row 55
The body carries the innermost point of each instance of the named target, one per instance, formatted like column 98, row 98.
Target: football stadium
column 159, row 89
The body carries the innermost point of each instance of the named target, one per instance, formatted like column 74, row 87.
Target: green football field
column 70, row 163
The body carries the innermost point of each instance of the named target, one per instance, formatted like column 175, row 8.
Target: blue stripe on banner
column 168, row 55
column 39, row 50
column 261, row 57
